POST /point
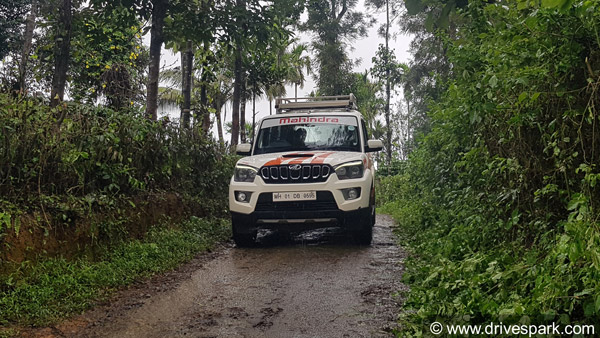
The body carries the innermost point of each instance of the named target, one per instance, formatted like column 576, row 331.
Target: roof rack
column 339, row 102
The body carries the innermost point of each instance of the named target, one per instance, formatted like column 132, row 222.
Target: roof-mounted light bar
column 288, row 105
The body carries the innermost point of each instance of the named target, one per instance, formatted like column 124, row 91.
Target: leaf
column 444, row 19
column 522, row 97
column 588, row 309
column 493, row 81
column 577, row 200
column 413, row 6
column 17, row 226
column 429, row 21
column 552, row 3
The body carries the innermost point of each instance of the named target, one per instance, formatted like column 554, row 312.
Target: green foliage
column 499, row 202
column 107, row 56
column 44, row 292
column 83, row 151
column 332, row 23
column 12, row 14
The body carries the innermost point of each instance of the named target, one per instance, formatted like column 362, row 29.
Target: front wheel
column 364, row 234
column 241, row 236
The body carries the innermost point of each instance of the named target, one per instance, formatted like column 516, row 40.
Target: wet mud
column 314, row 284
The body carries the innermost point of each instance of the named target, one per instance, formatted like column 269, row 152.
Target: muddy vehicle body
column 309, row 167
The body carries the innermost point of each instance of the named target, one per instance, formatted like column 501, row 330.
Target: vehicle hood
column 332, row 158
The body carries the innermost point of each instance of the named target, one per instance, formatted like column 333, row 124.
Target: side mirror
column 374, row 145
column 243, row 149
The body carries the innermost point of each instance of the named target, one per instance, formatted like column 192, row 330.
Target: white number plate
column 294, row 196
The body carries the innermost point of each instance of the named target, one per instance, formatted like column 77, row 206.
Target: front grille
column 296, row 173
column 324, row 202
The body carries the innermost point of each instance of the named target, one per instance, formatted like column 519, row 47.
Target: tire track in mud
column 314, row 285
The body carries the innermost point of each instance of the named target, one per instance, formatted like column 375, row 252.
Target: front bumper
column 333, row 185
column 291, row 221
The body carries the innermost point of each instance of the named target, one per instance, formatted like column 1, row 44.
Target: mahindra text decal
column 322, row 119
column 285, row 121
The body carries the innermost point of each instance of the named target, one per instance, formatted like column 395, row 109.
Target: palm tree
column 298, row 62
column 274, row 91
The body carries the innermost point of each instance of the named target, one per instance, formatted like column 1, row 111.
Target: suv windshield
column 326, row 133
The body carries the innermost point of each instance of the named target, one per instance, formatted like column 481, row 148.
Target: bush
column 47, row 291
column 499, row 203
column 80, row 150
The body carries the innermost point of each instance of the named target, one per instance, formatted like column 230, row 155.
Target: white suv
column 309, row 167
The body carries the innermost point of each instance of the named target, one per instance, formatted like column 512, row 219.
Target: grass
column 47, row 291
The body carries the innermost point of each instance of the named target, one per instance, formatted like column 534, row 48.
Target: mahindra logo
column 295, row 167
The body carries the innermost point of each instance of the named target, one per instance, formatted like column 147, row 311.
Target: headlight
column 244, row 173
column 350, row 170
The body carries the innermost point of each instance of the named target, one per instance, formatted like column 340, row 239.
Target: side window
column 365, row 136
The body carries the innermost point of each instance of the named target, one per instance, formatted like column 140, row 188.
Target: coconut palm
column 298, row 62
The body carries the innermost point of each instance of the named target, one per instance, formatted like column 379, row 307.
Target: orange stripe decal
column 319, row 159
column 276, row 161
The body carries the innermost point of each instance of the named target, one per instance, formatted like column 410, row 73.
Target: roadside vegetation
column 77, row 183
column 47, row 291
column 498, row 203
column 490, row 163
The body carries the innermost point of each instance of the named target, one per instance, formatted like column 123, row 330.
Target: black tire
column 242, row 239
column 364, row 236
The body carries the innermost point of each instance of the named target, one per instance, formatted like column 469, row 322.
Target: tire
column 364, row 236
column 242, row 239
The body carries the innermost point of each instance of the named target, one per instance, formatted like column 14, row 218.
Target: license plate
column 294, row 196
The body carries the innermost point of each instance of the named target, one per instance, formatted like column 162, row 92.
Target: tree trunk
column 243, row 109
column 61, row 53
column 217, row 106
column 28, row 42
column 237, row 93
column 253, row 112
column 237, row 85
column 187, row 59
column 204, row 112
column 159, row 12
column 387, row 88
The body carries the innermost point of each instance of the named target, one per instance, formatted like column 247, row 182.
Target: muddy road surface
column 316, row 284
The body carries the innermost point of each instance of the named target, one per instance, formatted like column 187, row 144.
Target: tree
column 108, row 57
column 61, row 52
column 187, row 64
column 387, row 70
column 332, row 22
column 159, row 11
column 297, row 63
column 11, row 20
column 256, row 27
column 369, row 104
column 27, row 45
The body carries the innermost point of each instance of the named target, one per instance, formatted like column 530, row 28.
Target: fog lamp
column 351, row 193
column 243, row 196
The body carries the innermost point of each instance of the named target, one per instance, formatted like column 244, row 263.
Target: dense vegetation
column 87, row 170
column 498, row 204
column 96, row 190
column 52, row 289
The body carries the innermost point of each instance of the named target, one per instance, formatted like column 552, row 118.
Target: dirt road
column 314, row 285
